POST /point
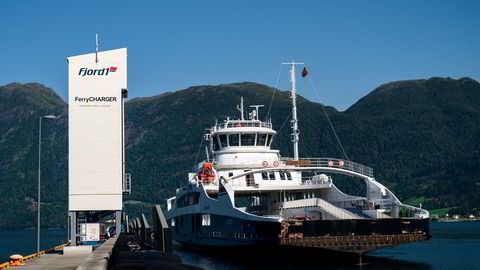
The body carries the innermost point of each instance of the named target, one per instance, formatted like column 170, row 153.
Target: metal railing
column 316, row 180
column 326, row 206
column 127, row 184
column 241, row 123
column 330, row 163
column 303, row 162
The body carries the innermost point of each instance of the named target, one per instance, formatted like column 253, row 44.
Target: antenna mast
column 96, row 48
column 294, row 121
column 240, row 108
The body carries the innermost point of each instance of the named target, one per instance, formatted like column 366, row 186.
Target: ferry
column 247, row 194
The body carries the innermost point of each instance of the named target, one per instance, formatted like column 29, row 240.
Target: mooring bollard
column 16, row 260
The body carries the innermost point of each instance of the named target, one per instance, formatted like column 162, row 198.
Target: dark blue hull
column 224, row 231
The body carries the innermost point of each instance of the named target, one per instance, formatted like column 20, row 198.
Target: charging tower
column 97, row 87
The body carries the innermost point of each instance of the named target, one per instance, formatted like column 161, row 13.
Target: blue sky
column 350, row 47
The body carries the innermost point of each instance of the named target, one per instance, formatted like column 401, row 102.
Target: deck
column 355, row 244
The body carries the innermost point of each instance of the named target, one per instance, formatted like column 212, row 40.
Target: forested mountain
column 420, row 137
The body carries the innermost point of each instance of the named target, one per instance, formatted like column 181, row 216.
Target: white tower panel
column 95, row 130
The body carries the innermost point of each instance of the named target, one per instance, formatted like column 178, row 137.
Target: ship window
column 248, row 139
column 223, row 140
column 188, row 199
column 205, row 219
column 289, row 176
column 233, row 139
column 215, row 143
column 282, row 176
column 271, row 175
column 172, row 222
column 269, row 138
column 264, row 176
column 261, row 139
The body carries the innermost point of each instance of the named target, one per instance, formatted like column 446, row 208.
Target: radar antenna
column 256, row 111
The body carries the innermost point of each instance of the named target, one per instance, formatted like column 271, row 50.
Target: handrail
column 241, row 123
column 326, row 163
column 330, row 163
column 328, row 207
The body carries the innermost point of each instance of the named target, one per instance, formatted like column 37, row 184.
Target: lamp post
column 39, row 173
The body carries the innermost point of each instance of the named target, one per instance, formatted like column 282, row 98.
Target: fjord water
column 25, row 242
column 454, row 245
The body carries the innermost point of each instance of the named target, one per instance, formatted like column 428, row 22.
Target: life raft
column 207, row 173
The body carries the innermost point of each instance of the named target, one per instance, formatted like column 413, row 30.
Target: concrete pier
column 81, row 260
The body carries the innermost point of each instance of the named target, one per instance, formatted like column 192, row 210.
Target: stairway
column 329, row 208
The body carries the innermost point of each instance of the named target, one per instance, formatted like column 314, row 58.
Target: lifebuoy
column 330, row 163
column 275, row 163
column 264, row 163
column 341, row 163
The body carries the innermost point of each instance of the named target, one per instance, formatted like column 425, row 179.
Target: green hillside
column 419, row 136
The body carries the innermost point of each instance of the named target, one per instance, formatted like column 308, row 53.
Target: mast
column 294, row 121
column 240, row 108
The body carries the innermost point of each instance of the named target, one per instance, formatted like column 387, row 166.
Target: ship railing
column 316, row 180
column 330, row 163
column 333, row 210
column 257, row 163
column 362, row 203
column 413, row 212
column 241, row 123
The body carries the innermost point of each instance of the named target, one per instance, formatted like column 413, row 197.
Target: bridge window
column 271, row 175
column 248, row 139
column 215, row 143
column 289, row 176
column 223, row 140
column 233, row 139
column 261, row 139
column 269, row 139
column 205, row 219
column 264, row 176
column 188, row 199
column 282, row 176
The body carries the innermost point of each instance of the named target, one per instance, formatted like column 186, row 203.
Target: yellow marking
column 5, row 265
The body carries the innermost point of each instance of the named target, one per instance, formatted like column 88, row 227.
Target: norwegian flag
column 112, row 69
column 304, row 72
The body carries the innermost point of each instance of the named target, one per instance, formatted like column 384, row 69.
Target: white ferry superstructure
column 246, row 193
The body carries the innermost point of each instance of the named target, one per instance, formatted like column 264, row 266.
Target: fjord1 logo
column 96, row 72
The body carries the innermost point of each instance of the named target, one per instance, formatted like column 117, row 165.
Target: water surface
column 454, row 245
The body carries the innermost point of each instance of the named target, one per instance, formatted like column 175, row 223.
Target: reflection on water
column 454, row 245
column 291, row 261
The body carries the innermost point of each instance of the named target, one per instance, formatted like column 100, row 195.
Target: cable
column 325, row 136
column 330, row 122
column 274, row 90
column 275, row 136
column 328, row 118
column 198, row 152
